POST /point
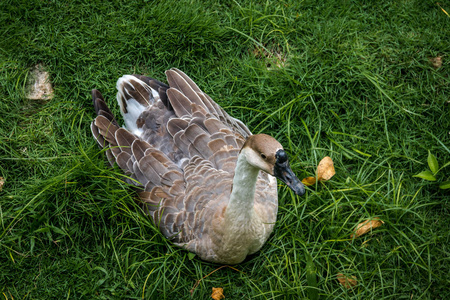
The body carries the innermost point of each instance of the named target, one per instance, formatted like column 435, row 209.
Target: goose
column 207, row 182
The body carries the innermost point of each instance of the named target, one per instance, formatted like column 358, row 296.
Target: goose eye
column 263, row 156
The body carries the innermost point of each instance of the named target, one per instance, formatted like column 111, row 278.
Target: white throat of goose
column 260, row 152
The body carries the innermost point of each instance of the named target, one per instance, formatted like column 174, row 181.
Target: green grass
column 346, row 79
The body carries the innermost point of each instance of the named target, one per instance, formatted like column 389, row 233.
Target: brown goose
column 206, row 181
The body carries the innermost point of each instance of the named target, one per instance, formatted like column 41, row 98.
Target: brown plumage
column 181, row 150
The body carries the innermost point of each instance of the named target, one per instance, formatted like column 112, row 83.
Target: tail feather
column 134, row 97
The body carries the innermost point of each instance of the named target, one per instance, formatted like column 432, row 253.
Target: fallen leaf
column 347, row 282
column 325, row 169
column 366, row 226
column 2, row 182
column 309, row 181
column 217, row 293
column 436, row 62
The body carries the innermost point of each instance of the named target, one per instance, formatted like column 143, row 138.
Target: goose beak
column 283, row 171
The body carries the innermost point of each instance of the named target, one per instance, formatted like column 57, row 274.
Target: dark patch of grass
column 346, row 79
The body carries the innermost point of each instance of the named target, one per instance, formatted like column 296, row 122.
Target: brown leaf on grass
column 309, row 181
column 366, row 226
column 347, row 282
column 436, row 62
column 217, row 293
column 2, row 182
column 325, row 169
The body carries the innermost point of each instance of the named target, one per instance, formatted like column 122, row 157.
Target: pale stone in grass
column 436, row 61
column 38, row 84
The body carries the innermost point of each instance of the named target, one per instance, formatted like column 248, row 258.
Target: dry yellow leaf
column 309, row 181
column 325, row 169
column 436, row 62
column 217, row 293
column 366, row 226
column 2, row 182
column 347, row 282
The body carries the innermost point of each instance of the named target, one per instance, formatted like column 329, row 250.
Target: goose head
column 266, row 153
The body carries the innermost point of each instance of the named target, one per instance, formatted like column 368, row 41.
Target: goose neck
column 243, row 192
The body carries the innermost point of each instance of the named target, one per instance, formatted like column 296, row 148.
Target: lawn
column 364, row 82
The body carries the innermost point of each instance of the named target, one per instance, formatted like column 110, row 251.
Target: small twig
column 199, row 280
